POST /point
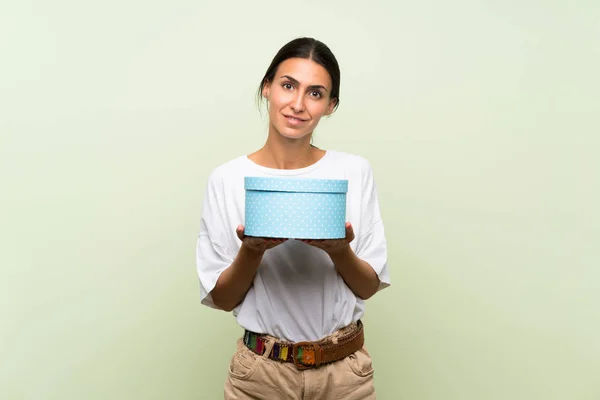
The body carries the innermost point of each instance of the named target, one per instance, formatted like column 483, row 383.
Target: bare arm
column 358, row 274
column 234, row 282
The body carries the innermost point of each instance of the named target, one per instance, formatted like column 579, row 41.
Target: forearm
column 358, row 274
column 234, row 282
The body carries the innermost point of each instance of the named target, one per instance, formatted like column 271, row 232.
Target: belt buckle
column 304, row 361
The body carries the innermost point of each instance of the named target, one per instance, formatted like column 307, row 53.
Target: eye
column 288, row 86
column 316, row 93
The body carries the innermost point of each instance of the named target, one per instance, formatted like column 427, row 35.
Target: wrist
column 341, row 255
column 250, row 253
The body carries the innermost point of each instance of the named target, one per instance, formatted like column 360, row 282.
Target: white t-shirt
column 297, row 294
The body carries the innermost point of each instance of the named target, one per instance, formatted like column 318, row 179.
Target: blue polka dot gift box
column 295, row 208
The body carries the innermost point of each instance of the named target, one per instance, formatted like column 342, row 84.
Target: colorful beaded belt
column 309, row 354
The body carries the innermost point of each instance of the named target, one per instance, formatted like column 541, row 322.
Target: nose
column 298, row 103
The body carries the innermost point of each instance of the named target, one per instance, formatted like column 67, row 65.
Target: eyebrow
column 295, row 81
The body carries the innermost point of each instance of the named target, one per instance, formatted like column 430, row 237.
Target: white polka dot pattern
column 295, row 208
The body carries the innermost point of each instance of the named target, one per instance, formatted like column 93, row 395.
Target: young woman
column 300, row 302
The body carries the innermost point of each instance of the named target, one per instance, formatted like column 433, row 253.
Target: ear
column 266, row 90
column 331, row 106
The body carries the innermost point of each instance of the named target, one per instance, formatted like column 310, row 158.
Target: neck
column 284, row 153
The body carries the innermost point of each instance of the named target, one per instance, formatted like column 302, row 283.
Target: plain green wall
column 480, row 120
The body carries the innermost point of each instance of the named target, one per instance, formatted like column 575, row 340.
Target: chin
column 292, row 133
column 294, row 137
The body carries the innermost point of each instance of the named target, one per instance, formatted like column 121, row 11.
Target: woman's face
column 298, row 96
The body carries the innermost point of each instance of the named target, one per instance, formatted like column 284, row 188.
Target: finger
column 349, row 232
column 240, row 231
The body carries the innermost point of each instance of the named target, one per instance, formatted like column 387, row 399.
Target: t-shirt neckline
column 287, row 172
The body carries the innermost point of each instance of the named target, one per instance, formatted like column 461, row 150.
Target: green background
column 480, row 120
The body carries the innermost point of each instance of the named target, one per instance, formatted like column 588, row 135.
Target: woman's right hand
column 257, row 244
column 234, row 282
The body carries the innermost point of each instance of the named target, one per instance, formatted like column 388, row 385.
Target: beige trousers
column 259, row 378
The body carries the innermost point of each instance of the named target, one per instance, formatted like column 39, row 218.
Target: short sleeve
column 371, row 244
column 212, row 257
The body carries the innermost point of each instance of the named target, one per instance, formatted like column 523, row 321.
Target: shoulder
column 226, row 170
column 225, row 178
column 353, row 162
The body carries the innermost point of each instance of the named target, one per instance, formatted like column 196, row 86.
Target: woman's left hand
column 333, row 246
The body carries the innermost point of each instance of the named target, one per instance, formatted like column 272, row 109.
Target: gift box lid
column 303, row 185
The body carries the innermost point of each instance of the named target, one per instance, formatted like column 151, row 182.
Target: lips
column 294, row 120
